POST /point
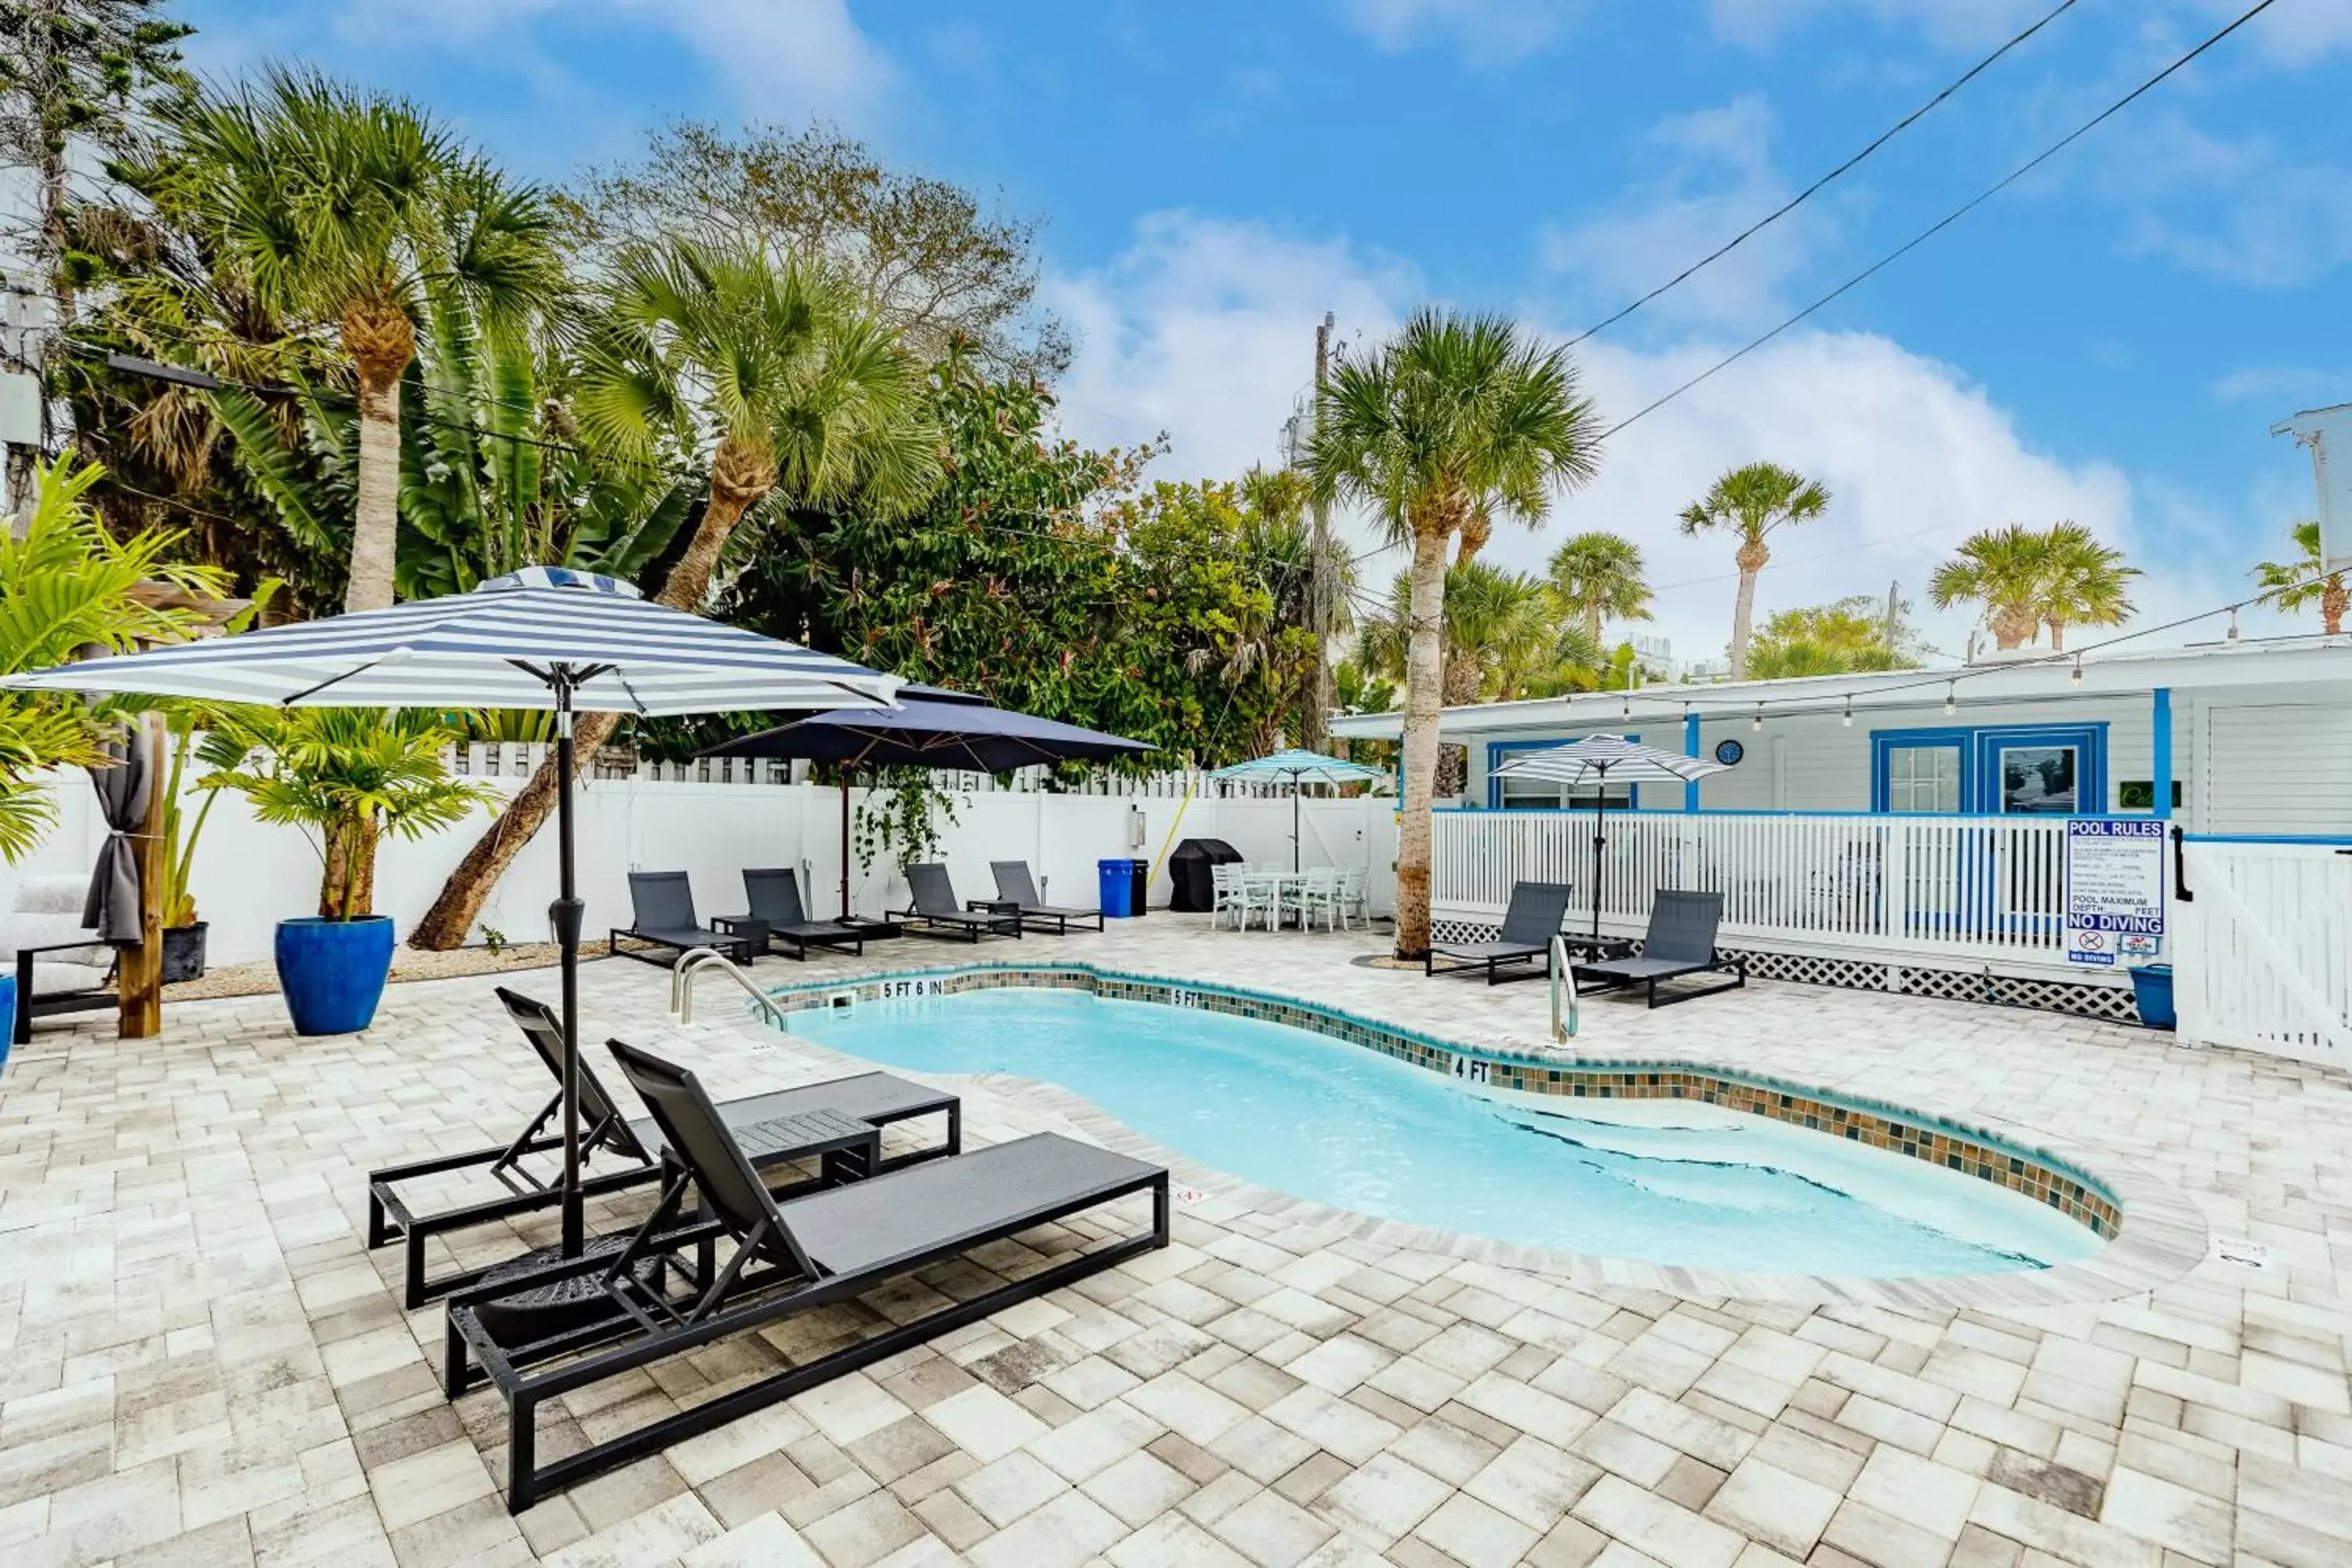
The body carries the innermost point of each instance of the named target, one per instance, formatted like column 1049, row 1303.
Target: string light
column 2076, row 675
column 2234, row 623
column 1625, row 708
column 1758, row 722
column 1848, row 720
column 1952, row 699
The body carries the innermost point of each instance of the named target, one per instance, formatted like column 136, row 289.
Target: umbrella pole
column 1599, row 837
column 1295, row 789
column 845, row 841
column 564, row 914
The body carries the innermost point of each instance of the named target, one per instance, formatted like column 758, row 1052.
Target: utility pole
column 1323, row 588
column 1894, row 614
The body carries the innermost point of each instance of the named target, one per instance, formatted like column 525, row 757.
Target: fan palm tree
column 787, row 393
column 2306, row 580
column 1751, row 502
column 2003, row 569
column 2083, row 583
column 1454, row 418
column 351, row 210
column 1597, row 575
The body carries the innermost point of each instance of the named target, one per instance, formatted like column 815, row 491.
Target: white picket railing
column 1980, row 889
column 2263, row 946
column 519, row 759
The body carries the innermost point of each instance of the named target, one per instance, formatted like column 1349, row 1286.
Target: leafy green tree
column 350, row 211
column 1599, row 574
column 788, row 394
column 1837, row 638
column 2306, row 580
column 66, row 585
column 1750, row 503
column 921, row 256
column 75, row 78
column 1454, row 421
column 2084, row 583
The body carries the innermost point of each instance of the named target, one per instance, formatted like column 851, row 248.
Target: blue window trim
column 1497, row 750
column 1981, row 746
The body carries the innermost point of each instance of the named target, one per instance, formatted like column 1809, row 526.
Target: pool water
column 1676, row 1182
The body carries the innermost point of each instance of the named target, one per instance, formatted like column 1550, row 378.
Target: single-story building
column 1868, row 828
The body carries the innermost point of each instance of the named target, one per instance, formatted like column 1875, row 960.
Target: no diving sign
column 2115, row 890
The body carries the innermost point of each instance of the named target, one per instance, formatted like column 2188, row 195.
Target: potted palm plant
column 199, row 737
column 346, row 777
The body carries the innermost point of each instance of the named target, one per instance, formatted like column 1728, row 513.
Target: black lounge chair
column 935, row 908
column 661, row 906
column 1014, row 885
column 1531, row 920
column 1681, row 941
column 775, row 899
column 875, row 1098
column 540, row 1335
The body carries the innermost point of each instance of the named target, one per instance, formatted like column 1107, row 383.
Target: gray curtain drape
column 113, row 908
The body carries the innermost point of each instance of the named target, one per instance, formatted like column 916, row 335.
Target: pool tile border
column 2034, row 1173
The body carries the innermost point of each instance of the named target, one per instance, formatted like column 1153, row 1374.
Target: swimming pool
column 1662, row 1180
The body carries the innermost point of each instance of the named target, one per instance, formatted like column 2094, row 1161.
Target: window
column 1922, row 778
column 1540, row 795
column 2038, row 780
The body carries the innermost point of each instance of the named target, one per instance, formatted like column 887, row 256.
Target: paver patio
column 203, row 1364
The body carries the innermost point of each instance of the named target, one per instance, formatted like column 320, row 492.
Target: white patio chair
column 1257, row 894
column 1313, row 897
column 1354, row 900
column 1224, row 894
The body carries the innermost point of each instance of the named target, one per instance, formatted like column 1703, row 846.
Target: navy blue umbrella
column 937, row 729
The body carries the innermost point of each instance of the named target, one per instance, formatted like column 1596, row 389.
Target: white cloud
column 2242, row 210
column 2294, row 35
column 1205, row 328
column 1486, row 31
column 785, row 58
column 2286, row 387
column 1950, row 24
column 1718, row 178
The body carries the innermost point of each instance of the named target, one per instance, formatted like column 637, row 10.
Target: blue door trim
column 1497, row 750
column 1981, row 746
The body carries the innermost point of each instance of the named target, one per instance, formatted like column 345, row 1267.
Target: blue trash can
column 2152, row 991
column 1116, row 888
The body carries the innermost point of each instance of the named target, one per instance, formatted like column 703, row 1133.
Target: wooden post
column 138, row 972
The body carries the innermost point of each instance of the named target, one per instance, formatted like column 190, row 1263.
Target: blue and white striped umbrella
column 497, row 646
column 1301, row 767
column 1607, row 759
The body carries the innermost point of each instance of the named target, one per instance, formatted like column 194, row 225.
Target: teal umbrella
column 1300, row 768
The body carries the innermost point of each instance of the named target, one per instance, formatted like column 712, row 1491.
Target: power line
column 1952, row 217
column 1736, row 241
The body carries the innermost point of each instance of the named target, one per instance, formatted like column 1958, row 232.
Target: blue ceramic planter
column 333, row 972
column 2152, row 991
column 7, row 1014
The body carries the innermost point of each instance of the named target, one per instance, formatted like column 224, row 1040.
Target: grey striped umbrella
column 1598, row 761
column 544, row 637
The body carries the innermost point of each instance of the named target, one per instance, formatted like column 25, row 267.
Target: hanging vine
column 904, row 817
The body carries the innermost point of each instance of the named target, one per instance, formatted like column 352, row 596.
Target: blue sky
column 2110, row 341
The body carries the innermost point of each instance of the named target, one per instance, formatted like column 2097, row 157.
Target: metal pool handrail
column 1561, row 1029
column 692, row 963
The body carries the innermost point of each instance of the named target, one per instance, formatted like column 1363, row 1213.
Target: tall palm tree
column 2083, row 583
column 1751, row 502
column 2306, row 580
column 2001, row 569
column 349, row 210
column 784, row 390
column 1455, row 417
column 1599, row 573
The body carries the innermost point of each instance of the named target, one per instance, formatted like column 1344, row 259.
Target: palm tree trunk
column 2057, row 635
column 1423, row 678
column 1592, row 624
column 1743, row 610
column 453, row 914
column 2335, row 598
column 381, row 340
column 2012, row 626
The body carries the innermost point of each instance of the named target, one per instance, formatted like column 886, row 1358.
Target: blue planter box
column 331, row 972
column 2152, row 990
column 7, row 1014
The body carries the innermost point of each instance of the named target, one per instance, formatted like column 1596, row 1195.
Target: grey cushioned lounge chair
column 546, row 1333
column 775, row 898
column 1681, row 941
column 1014, row 885
column 1531, row 920
column 935, row 908
column 606, row 1128
column 661, row 909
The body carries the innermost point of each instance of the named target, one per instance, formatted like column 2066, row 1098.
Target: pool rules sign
column 2115, row 890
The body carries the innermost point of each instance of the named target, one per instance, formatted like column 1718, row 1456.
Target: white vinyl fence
column 2262, row 944
column 1975, row 889
column 249, row 876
